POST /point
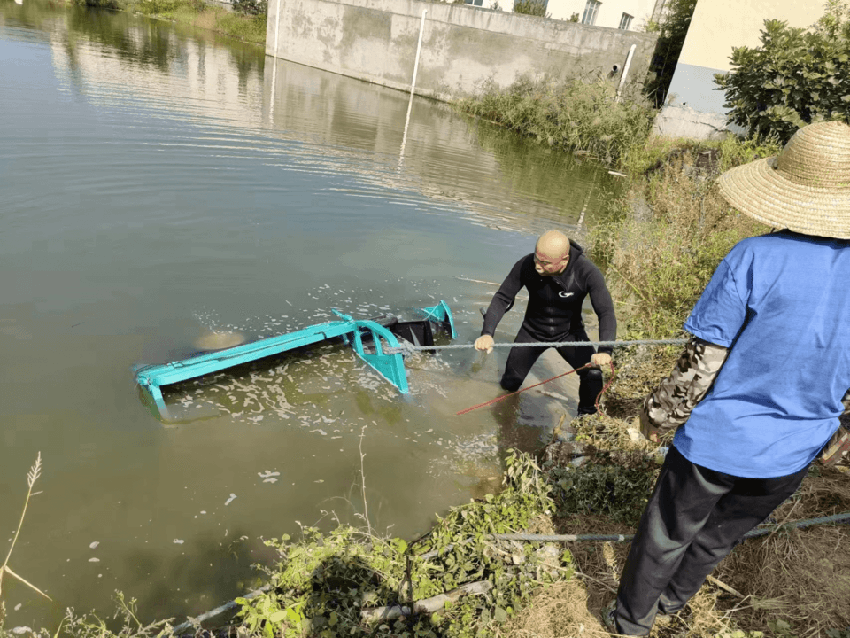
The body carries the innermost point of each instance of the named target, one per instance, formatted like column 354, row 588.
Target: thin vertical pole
column 412, row 85
column 276, row 28
column 625, row 70
column 274, row 61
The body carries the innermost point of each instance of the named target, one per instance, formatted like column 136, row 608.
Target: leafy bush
column 323, row 582
column 797, row 76
column 159, row 7
column 251, row 7
column 246, row 28
column 532, row 8
column 572, row 115
column 604, row 488
column 103, row 4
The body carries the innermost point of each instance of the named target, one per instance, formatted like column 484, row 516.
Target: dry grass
column 672, row 230
column 801, row 576
column 32, row 476
column 559, row 611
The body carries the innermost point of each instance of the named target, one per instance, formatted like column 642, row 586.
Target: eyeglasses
column 545, row 263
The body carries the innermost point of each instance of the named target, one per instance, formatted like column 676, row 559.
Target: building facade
column 694, row 106
column 629, row 15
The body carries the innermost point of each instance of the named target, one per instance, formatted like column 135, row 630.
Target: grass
column 32, row 476
column 196, row 13
column 665, row 237
column 575, row 115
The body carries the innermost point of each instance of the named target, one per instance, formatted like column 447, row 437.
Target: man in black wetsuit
column 558, row 277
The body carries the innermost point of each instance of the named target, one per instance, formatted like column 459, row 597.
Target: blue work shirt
column 781, row 304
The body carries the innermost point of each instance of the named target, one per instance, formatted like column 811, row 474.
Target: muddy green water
column 157, row 183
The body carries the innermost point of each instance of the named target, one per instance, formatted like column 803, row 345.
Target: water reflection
column 443, row 158
column 156, row 185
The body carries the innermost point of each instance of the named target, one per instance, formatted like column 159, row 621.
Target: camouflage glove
column 670, row 405
column 839, row 444
column 837, row 447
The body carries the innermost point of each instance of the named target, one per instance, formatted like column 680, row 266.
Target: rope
column 620, row 538
column 406, row 347
column 505, row 396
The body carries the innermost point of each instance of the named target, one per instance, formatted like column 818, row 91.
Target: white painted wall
column 695, row 105
column 713, row 31
column 608, row 15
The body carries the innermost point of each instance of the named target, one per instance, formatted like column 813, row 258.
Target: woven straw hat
column 806, row 188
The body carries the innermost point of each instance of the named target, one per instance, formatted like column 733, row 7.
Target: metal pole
column 276, row 28
column 412, row 86
column 274, row 61
column 625, row 69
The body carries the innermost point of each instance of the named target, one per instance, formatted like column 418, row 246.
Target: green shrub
column 532, row 8
column 103, row 4
column 159, row 7
column 572, row 115
column 251, row 7
column 322, row 582
column 246, row 28
column 796, row 76
column 604, row 488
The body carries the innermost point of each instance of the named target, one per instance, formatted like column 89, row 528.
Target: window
column 625, row 21
column 590, row 11
column 475, row 3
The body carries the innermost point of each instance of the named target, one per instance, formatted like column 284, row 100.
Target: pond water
column 159, row 183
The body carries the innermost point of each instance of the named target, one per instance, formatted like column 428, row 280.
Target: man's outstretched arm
column 603, row 306
column 502, row 301
column 670, row 405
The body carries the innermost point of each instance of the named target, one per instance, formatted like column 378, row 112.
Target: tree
column 672, row 30
column 795, row 77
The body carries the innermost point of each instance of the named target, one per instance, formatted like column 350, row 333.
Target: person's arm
column 839, row 444
column 670, row 405
column 603, row 306
column 503, row 300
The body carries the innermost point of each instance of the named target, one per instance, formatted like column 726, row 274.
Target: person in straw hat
column 758, row 391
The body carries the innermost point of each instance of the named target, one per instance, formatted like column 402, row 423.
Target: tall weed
column 666, row 237
column 572, row 115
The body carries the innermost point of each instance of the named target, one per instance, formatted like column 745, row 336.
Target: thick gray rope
column 619, row 538
column 406, row 347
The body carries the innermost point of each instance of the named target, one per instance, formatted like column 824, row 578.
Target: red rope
column 505, row 396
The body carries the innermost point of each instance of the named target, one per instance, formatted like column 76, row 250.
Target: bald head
column 552, row 253
column 553, row 244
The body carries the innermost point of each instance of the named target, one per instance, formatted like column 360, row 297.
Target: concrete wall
column 694, row 106
column 462, row 46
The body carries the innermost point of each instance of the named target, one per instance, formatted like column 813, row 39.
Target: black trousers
column 694, row 518
column 520, row 361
